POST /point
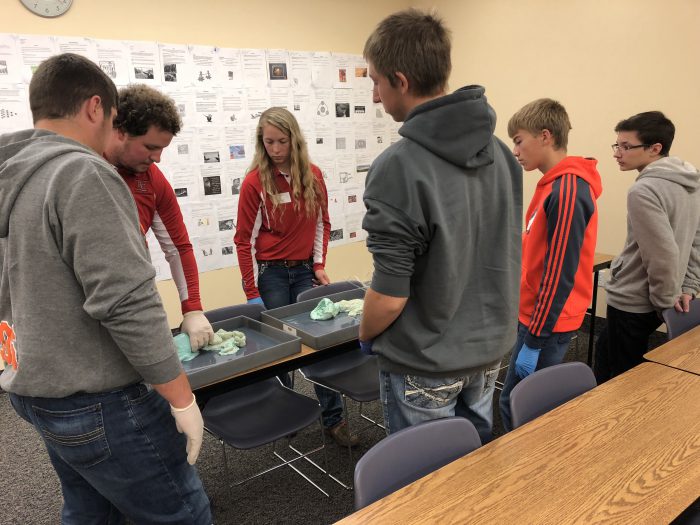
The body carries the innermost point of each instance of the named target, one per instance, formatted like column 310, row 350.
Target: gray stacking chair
column 411, row 453
column 353, row 374
column 548, row 388
column 261, row 413
column 678, row 323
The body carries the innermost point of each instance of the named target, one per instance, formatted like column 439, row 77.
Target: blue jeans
column 551, row 353
column 280, row 286
column 408, row 400
column 118, row 454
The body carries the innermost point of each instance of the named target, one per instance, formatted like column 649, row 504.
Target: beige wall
column 604, row 60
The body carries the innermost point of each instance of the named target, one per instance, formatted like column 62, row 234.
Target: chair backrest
column 327, row 289
column 410, row 454
column 678, row 323
column 548, row 388
column 227, row 312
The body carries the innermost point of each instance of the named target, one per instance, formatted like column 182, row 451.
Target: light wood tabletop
column 601, row 261
column 627, row 451
column 682, row 352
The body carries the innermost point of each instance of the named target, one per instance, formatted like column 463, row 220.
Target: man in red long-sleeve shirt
column 146, row 123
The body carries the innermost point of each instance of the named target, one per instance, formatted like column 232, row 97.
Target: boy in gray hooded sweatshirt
column 659, row 266
column 90, row 359
column 444, row 214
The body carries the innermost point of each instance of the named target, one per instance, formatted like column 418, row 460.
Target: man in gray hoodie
column 90, row 358
column 659, row 266
column 444, row 214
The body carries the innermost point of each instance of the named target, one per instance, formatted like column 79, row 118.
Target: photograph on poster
column 220, row 94
column 278, row 71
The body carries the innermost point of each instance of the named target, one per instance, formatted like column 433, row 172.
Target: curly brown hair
column 141, row 107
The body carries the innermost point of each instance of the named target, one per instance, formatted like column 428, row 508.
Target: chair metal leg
column 592, row 310
column 347, row 422
column 285, row 462
column 325, row 455
column 289, row 464
column 312, row 462
column 346, row 415
column 370, row 420
column 227, row 473
column 499, row 384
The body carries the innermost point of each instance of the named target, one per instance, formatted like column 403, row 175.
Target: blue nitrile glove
column 256, row 300
column 366, row 347
column 526, row 362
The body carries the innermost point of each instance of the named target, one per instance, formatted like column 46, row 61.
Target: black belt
column 287, row 263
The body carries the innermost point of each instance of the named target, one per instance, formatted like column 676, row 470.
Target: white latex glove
column 198, row 328
column 189, row 420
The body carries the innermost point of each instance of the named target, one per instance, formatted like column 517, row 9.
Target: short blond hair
column 541, row 114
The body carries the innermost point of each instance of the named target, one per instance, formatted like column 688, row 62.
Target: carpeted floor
column 32, row 494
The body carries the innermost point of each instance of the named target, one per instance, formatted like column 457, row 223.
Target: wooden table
column 682, row 353
column 628, row 451
column 601, row 261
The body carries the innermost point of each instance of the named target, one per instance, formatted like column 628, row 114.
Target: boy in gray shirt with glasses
column 659, row 266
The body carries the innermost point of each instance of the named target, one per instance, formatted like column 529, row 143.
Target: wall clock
column 47, row 8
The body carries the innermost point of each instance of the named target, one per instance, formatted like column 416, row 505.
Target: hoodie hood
column 21, row 155
column 581, row 167
column 675, row 170
column 466, row 139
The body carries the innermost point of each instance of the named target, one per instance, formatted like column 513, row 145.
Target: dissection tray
column 294, row 319
column 264, row 344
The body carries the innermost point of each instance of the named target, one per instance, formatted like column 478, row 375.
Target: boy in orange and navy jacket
column 556, row 283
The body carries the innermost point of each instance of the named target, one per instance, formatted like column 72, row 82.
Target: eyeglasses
column 627, row 147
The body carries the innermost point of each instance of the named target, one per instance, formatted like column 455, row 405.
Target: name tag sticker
column 288, row 328
column 285, row 198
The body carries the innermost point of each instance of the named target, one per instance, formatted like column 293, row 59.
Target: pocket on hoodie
column 615, row 267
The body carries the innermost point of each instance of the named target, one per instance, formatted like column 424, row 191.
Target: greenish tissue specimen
column 353, row 307
column 223, row 342
column 184, row 350
column 326, row 309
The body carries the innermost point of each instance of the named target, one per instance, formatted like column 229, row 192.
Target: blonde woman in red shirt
column 283, row 230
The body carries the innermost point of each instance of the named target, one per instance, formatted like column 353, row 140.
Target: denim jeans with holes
column 118, row 454
column 408, row 399
column 551, row 353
